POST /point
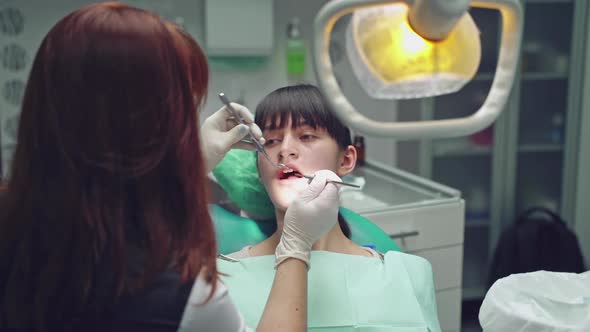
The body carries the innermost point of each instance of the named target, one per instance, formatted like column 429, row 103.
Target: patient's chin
column 283, row 198
column 284, row 203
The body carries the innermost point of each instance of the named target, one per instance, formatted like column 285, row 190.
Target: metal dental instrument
column 330, row 181
column 260, row 147
column 227, row 258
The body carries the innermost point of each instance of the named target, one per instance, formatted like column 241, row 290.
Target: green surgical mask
column 237, row 174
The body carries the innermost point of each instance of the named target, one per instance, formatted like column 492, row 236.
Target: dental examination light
column 407, row 49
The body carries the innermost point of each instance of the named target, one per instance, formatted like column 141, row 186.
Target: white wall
column 257, row 84
column 253, row 84
column 39, row 16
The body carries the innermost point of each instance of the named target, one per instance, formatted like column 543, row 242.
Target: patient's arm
column 286, row 307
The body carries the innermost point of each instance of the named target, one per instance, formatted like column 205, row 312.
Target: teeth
column 288, row 172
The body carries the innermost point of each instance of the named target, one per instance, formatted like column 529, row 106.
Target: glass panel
column 475, row 270
column 547, row 37
column 543, row 105
column 472, row 176
column 465, row 162
column 487, row 20
column 462, row 104
column 539, row 180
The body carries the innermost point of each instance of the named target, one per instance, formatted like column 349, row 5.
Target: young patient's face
column 303, row 149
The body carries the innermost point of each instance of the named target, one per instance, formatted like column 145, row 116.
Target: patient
column 301, row 133
column 350, row 286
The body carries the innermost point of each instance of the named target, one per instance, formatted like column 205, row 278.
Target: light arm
column 434, row 19
column 511, row 12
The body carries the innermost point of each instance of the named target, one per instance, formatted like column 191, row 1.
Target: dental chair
column 235, row 187
column 234, row 232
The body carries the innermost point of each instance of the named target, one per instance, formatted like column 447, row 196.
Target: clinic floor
column 469, row 312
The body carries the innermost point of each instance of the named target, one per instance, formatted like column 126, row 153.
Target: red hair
column 108, row 158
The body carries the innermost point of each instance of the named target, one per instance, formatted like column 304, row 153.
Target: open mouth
column 289, row 173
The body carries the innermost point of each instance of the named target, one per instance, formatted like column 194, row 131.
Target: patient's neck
column 334, row 241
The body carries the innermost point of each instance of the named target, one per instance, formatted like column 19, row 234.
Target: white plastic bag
column 538, row 302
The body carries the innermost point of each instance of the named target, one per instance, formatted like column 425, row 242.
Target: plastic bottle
column 295, row 50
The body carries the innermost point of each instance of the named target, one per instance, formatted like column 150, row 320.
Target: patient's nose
column 288, row 149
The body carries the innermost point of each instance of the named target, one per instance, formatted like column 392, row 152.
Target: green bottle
column 295, row 49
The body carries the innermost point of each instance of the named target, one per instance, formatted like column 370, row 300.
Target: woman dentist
column 104, row 223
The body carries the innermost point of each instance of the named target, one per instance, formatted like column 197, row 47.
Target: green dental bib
column 346, row 292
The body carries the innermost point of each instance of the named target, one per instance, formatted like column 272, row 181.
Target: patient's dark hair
column 304, row 104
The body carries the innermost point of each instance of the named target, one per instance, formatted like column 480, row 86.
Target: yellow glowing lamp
column 392, row 61
column 403, row 49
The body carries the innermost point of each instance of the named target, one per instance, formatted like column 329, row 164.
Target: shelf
column 543, row 76
column 540, row 148
column 474, row 293
column 460, row 148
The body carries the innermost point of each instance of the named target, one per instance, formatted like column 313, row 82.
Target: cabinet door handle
column 404, row 234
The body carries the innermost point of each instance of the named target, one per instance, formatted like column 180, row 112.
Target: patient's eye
column 272, row 137
column 271, row 141
column 307, row 137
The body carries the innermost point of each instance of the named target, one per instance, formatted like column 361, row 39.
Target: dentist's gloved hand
column 311, row 215
column 221, row 133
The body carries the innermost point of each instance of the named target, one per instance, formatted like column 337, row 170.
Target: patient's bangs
column 276, row 119
column 303, row 105
column 275, row 111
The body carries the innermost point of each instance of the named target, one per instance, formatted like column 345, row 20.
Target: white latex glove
column 221, row 133
column 311, row 215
